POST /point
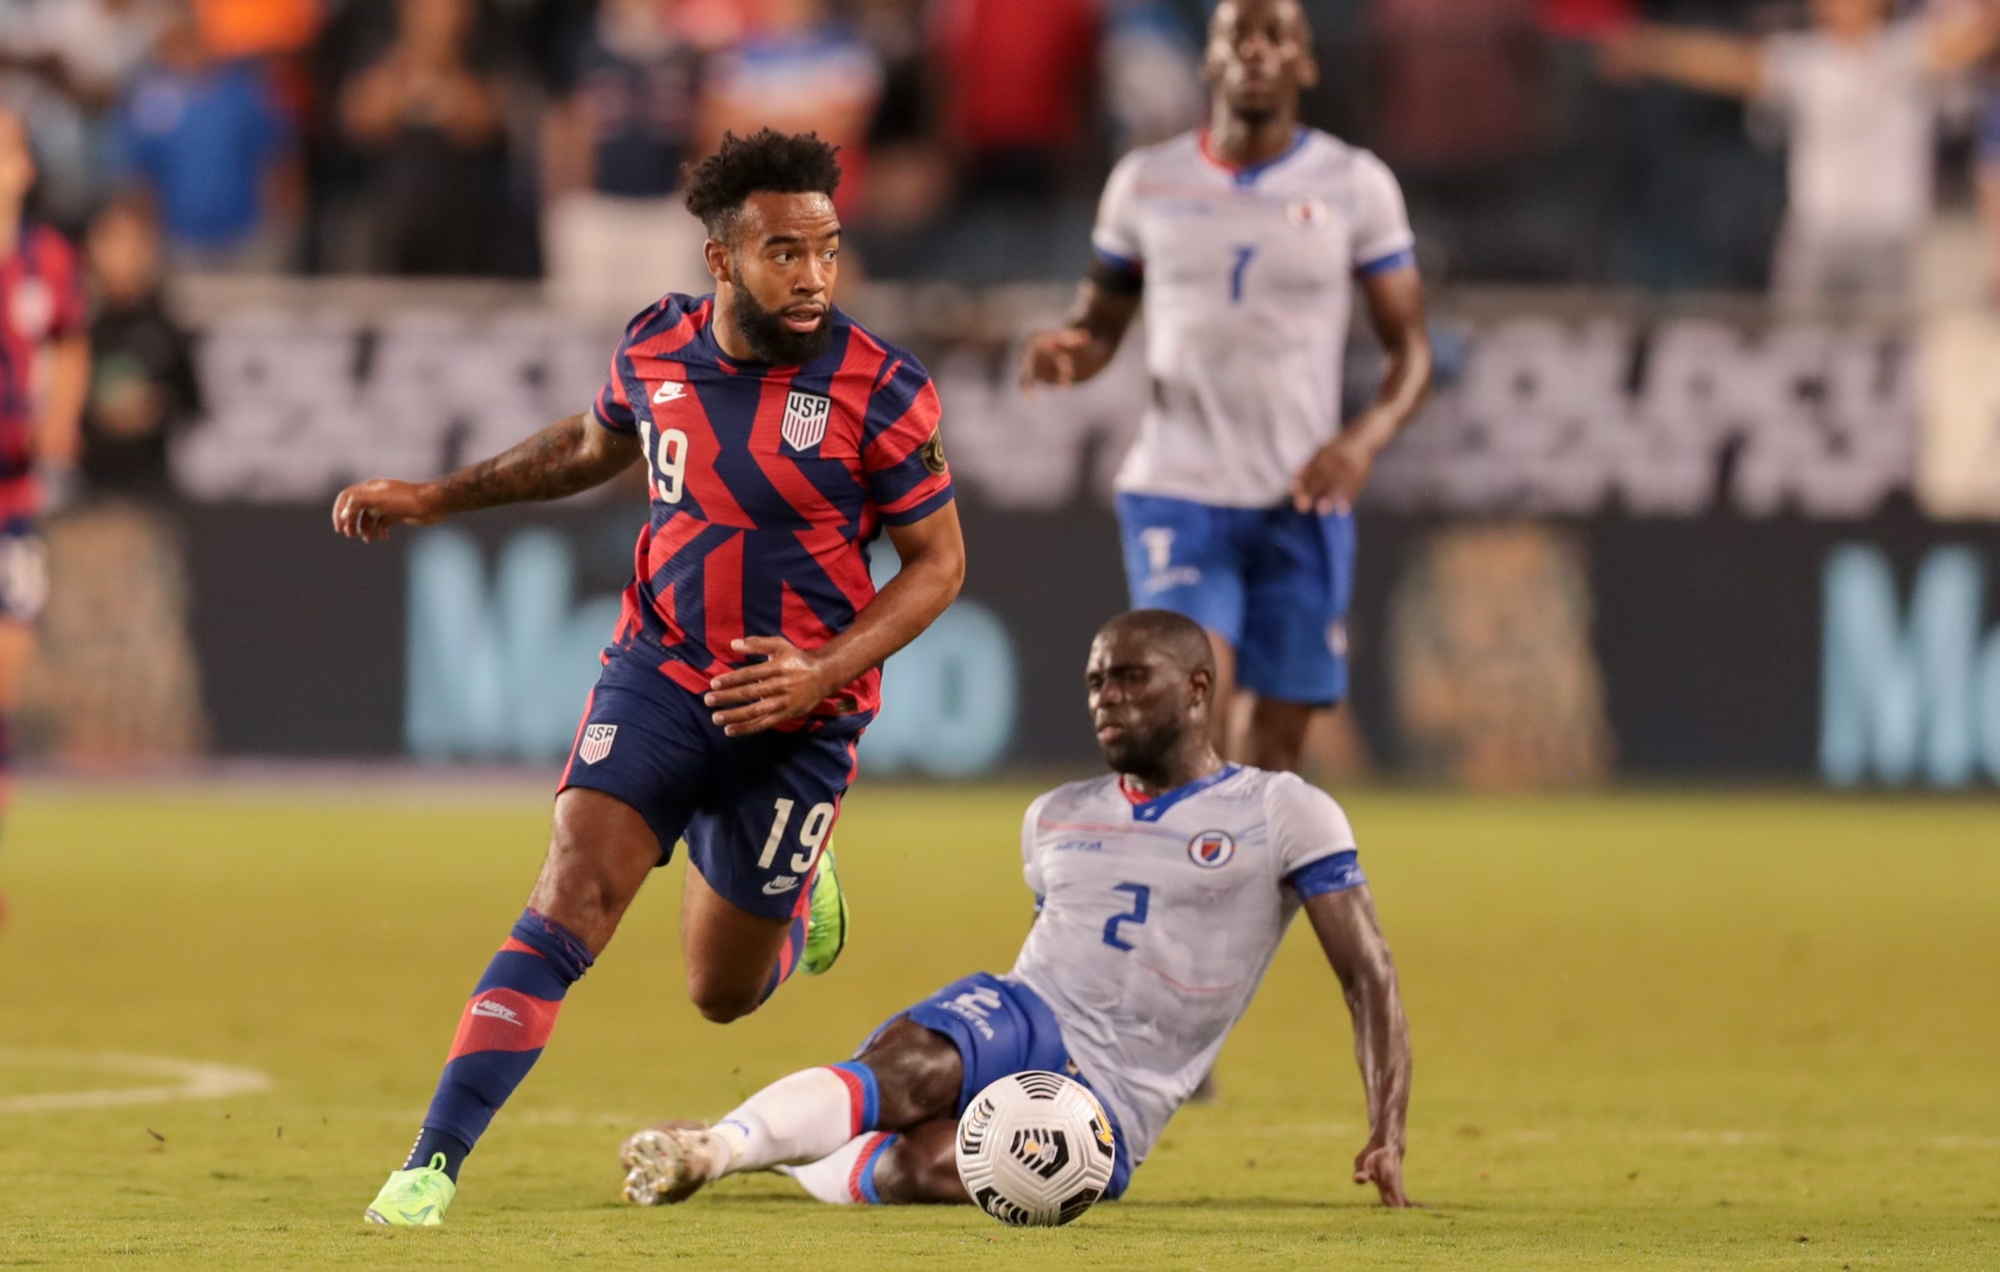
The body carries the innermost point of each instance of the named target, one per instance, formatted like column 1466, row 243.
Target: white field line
column 190, row 1080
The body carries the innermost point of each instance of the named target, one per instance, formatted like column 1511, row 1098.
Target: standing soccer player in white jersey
column 1162, row 892
column 1244, row 241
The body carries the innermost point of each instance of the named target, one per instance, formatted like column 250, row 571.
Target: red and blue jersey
column 41, row 299
column 768, row 484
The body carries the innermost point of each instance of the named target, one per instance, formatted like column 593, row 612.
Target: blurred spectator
column 1151, row 74
column 426, row 114
column 1015, row 78
column 615, row 234
column 256, row 28
column 909, row 177
column 1858, row 95
column 1584, row 19
column 799, row 71
column 210, row 142
column 1436, row 56
column 633, row 87
column 142, row 383
column 87, row 48
column 66, row 63
column 1573, row 93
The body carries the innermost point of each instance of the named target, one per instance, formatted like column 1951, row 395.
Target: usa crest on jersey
column 596, row 742
column 806, row 415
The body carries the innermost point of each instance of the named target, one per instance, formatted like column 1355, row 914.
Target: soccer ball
column 1035, row 1150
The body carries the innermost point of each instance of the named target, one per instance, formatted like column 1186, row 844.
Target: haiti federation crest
column 596, row 742
column 1212, row 849
column 806, row 415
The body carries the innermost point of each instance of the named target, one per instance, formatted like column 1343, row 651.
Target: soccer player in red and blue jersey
column 44, row 371
column 779, row 439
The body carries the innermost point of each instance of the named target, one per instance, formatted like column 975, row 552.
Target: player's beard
column 1142, row 750
column 770, row 340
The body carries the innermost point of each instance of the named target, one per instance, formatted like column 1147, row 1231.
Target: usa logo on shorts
column 596, row 742
column 1211, row 849
column 806, row 415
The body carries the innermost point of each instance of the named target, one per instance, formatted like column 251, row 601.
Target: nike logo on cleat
column 495, row 1011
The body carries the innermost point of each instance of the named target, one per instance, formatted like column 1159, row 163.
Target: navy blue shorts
column 24, row 571
column 1002, row 1027
column 755, row 810
column 1273, row 582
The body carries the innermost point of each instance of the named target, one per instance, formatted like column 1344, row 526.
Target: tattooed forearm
column 568, row 456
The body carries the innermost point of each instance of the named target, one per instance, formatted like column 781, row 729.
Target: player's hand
column 1381, row 1164
column 787, row 685
column 1060, row 357
column 1332, row 479
column 366, row 511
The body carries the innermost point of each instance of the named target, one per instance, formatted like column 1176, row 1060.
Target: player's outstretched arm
column 1332, row 479
column 1086, row 342
column 791, row 681
column 567, row 457
column 1352, row 938
column 1961, row 38
column 1706, row 61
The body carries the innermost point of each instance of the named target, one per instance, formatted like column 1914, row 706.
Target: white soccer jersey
column 1159, row 919
column 1249, row 283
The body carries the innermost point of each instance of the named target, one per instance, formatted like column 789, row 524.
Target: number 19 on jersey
column 666, row 458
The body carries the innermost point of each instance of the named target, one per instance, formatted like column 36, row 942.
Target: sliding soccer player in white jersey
column 1245, row 242
column 1162, row 893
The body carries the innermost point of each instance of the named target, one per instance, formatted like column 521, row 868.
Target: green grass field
column 1651, row 1031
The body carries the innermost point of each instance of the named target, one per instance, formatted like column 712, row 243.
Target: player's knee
column 918, row 1074
column 720, row 1001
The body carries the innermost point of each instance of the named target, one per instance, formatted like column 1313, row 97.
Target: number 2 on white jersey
column 668, row 457
column 1141, row 897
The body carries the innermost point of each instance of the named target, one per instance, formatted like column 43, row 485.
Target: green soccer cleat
column 414, row 1198
column 826, row 922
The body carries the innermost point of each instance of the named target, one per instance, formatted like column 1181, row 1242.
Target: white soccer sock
column 798, row 1119
column 839, row 1178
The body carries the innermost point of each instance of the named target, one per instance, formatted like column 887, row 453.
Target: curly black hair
column 768, row 160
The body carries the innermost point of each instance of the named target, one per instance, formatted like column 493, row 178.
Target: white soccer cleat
column 669, row 1164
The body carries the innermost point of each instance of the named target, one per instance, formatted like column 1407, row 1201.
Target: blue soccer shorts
column 1001, row 1027
column 24, row 571
column 755, row 810
column 1273, row 582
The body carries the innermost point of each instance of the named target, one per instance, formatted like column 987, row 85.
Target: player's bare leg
column 921, row 1167
column 833, row 1126
column 1276, row 736
column 731, row 954
column 17, row 650
column 600, row 852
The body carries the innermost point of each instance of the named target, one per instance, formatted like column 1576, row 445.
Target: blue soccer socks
column 506, row 1023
